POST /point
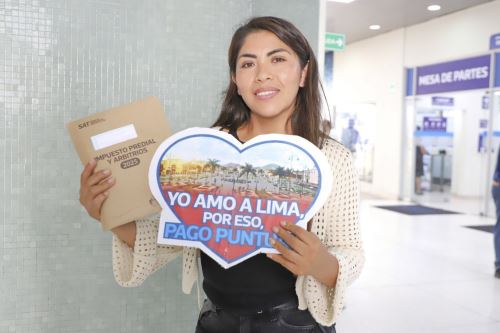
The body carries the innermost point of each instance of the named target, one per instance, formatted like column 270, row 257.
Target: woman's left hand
column 306, row 255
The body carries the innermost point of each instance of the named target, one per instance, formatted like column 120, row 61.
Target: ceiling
column 353, row 19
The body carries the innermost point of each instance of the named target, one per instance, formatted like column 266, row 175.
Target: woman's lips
column 264, row 94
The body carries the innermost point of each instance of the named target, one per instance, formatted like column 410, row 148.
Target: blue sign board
column 464, row 74
column 443, row 101
column 434, row 124
column 495, row 41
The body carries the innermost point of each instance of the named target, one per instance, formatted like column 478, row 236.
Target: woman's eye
column 279, row 59
column 246, row 65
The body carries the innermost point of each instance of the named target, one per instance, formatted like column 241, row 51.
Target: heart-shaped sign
column 224, row 197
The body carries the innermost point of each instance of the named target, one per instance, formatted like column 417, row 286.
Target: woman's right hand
column 94, row 188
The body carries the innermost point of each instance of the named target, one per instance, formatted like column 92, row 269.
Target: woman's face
column 268, row 76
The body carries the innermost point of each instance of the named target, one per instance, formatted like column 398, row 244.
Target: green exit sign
column 334, row 41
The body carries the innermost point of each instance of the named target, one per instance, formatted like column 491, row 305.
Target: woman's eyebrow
column 247, row 55
column 270, row 53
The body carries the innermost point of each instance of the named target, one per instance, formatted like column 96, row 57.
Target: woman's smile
column 266, row 93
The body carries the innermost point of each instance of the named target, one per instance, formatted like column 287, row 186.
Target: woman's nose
column 263, row 73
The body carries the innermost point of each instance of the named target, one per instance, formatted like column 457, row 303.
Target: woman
column 273, row 88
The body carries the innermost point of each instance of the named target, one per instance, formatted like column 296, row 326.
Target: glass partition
column 446, row 155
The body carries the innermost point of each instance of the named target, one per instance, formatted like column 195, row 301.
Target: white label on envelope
column 113, row 137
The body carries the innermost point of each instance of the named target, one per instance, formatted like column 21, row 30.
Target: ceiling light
column 342, row 1
column 374, row 27
column 433, row 8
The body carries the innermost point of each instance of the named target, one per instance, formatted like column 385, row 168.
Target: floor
column 473, row 206
column 425, row 274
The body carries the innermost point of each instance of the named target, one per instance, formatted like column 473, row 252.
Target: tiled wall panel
column 65, row 59
column 304, row 14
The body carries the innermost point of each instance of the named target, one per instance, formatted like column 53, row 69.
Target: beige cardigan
column 336, row 225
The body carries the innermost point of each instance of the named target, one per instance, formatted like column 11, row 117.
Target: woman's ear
column 233, row 78
column 303, row 75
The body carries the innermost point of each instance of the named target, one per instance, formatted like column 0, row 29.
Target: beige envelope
column 124, row 140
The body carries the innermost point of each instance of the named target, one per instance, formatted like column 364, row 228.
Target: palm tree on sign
column 212, row 165
column 234, row 174
column 247, row 169
column 280, row 172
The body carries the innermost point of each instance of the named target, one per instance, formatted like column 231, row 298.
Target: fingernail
column 110, row 180
column 283, row 223
column 272, row 241
column 269, row 255
column 92, row 162
column 106, row 172
column 276, row 229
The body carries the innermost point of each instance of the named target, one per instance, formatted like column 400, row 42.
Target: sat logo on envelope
column 224, row 197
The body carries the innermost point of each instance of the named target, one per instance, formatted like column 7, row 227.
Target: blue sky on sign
column 201, row 148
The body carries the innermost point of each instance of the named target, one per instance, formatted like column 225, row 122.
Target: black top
column 254, row 284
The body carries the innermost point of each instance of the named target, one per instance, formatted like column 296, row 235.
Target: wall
column 62, row 60
column 372, row 71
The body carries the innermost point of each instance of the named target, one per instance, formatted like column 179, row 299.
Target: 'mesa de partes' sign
column 224, row 197
column 458, row 75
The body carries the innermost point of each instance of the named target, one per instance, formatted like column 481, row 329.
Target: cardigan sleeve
column 337, row 225
column 132, row 266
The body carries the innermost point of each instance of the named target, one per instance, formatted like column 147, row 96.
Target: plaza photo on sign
column 276, row 173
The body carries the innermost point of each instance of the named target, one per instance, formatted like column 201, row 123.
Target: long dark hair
column 306, row 118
